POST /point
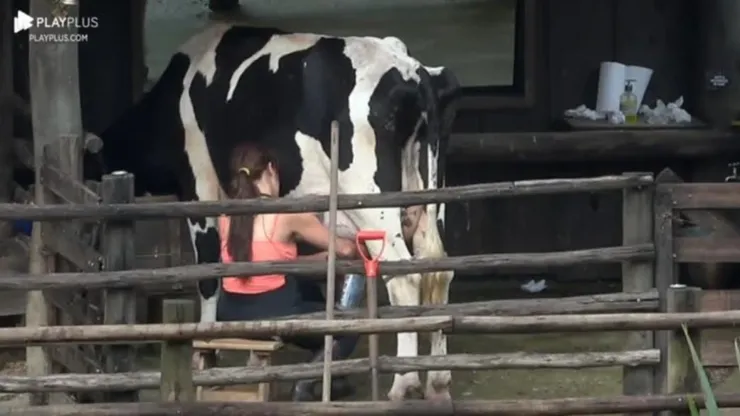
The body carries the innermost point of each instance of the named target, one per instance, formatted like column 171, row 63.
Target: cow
column 232, row 83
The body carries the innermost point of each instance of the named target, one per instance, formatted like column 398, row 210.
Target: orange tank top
column 262, row 250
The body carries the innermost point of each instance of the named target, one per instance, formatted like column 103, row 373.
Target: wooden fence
column 656, row 366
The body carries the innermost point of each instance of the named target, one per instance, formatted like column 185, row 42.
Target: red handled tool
column 371, row 273
column 371, row 263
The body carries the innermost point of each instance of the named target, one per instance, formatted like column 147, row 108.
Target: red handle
column 366, row 235
column 371, row 264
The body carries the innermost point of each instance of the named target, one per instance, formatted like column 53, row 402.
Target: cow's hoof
column 396, row 395
column 437, row 395
column 404, row 384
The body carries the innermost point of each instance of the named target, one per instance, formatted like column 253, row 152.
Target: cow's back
column 265, row 85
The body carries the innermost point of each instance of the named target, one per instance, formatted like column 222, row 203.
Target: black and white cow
column 229, row 84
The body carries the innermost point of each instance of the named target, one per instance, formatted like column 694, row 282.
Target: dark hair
column 248, row 162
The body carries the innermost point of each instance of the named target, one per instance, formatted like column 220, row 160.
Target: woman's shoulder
column 299, row 220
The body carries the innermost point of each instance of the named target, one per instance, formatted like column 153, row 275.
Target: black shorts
column 291, row 299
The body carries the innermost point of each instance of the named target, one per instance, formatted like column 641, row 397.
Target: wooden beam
column 176, row 384
column 55, row 112
column 638, row 276
column 470, row 264
column 70, row 190
column 711, row 222
column 705, row 196
column 519, row 407
column 119, row 304
column 590, row 145
column 62, row 239
column 65, row 241
column 6, row 112
column 707, row 249
column 676, row 364
column 319, row 203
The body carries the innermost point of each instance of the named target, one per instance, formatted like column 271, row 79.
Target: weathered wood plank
column 226, row 376
column 62, row 239
column 705, row 195
column 590, row 145
column 120, row 304
column 637, row 276
column 711, row 222
column 719, row 351
column 68, row 189
column 182, row 274
column 707, row 249
column 6, row 112
column 461, row 324
column 319, row 203
column 176, row 383
column 677, row 364
column 530, row 407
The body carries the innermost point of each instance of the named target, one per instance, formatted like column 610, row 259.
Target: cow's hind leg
column 206, row 249
column 206, row 245
column 402, row 290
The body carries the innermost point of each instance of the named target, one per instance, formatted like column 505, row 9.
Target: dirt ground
column 486, row 384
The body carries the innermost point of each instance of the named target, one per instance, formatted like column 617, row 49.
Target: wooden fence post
column 637, row 276
column 119, row 254
column 176, row 384
column 675, row 359
column 665, row 270
column 55, row 111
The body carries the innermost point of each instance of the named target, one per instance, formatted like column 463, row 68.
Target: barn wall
column 573, row 36
column 651, row 33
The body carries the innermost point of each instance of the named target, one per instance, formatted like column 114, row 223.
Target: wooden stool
column 260, row 354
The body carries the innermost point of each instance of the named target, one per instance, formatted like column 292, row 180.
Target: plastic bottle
column 628, row 103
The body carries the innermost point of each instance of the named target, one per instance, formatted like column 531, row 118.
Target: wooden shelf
column 587, row 145
column 581, row 124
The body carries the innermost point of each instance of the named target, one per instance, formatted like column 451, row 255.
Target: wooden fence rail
column 228, row 376
column 526, row 407
column 182, row 274
column 320, row 203
column 603, row 303
column 451, row 324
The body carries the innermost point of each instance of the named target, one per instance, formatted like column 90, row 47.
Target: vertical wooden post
column 675, row 360
column 119, row 254
column 637, row 276
column 331, row 268
column 7, row 93
column 665, row 270
column 176, row 384
column 55, row 112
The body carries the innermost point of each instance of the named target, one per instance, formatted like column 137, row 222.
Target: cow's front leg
column 206, row 249
column 402, row 290
column 435, row 289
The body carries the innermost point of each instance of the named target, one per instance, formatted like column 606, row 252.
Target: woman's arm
column 321, row 255
column 307, row 227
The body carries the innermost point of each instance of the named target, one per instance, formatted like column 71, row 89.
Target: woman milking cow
column 275, row 237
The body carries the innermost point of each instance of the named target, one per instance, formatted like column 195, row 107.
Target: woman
column 274, row 237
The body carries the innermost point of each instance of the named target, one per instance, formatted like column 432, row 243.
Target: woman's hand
column 346, row 248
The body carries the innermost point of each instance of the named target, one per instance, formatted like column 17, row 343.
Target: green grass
column 710, row 401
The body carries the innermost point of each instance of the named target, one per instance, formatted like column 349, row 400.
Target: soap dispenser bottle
column 628, row 103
